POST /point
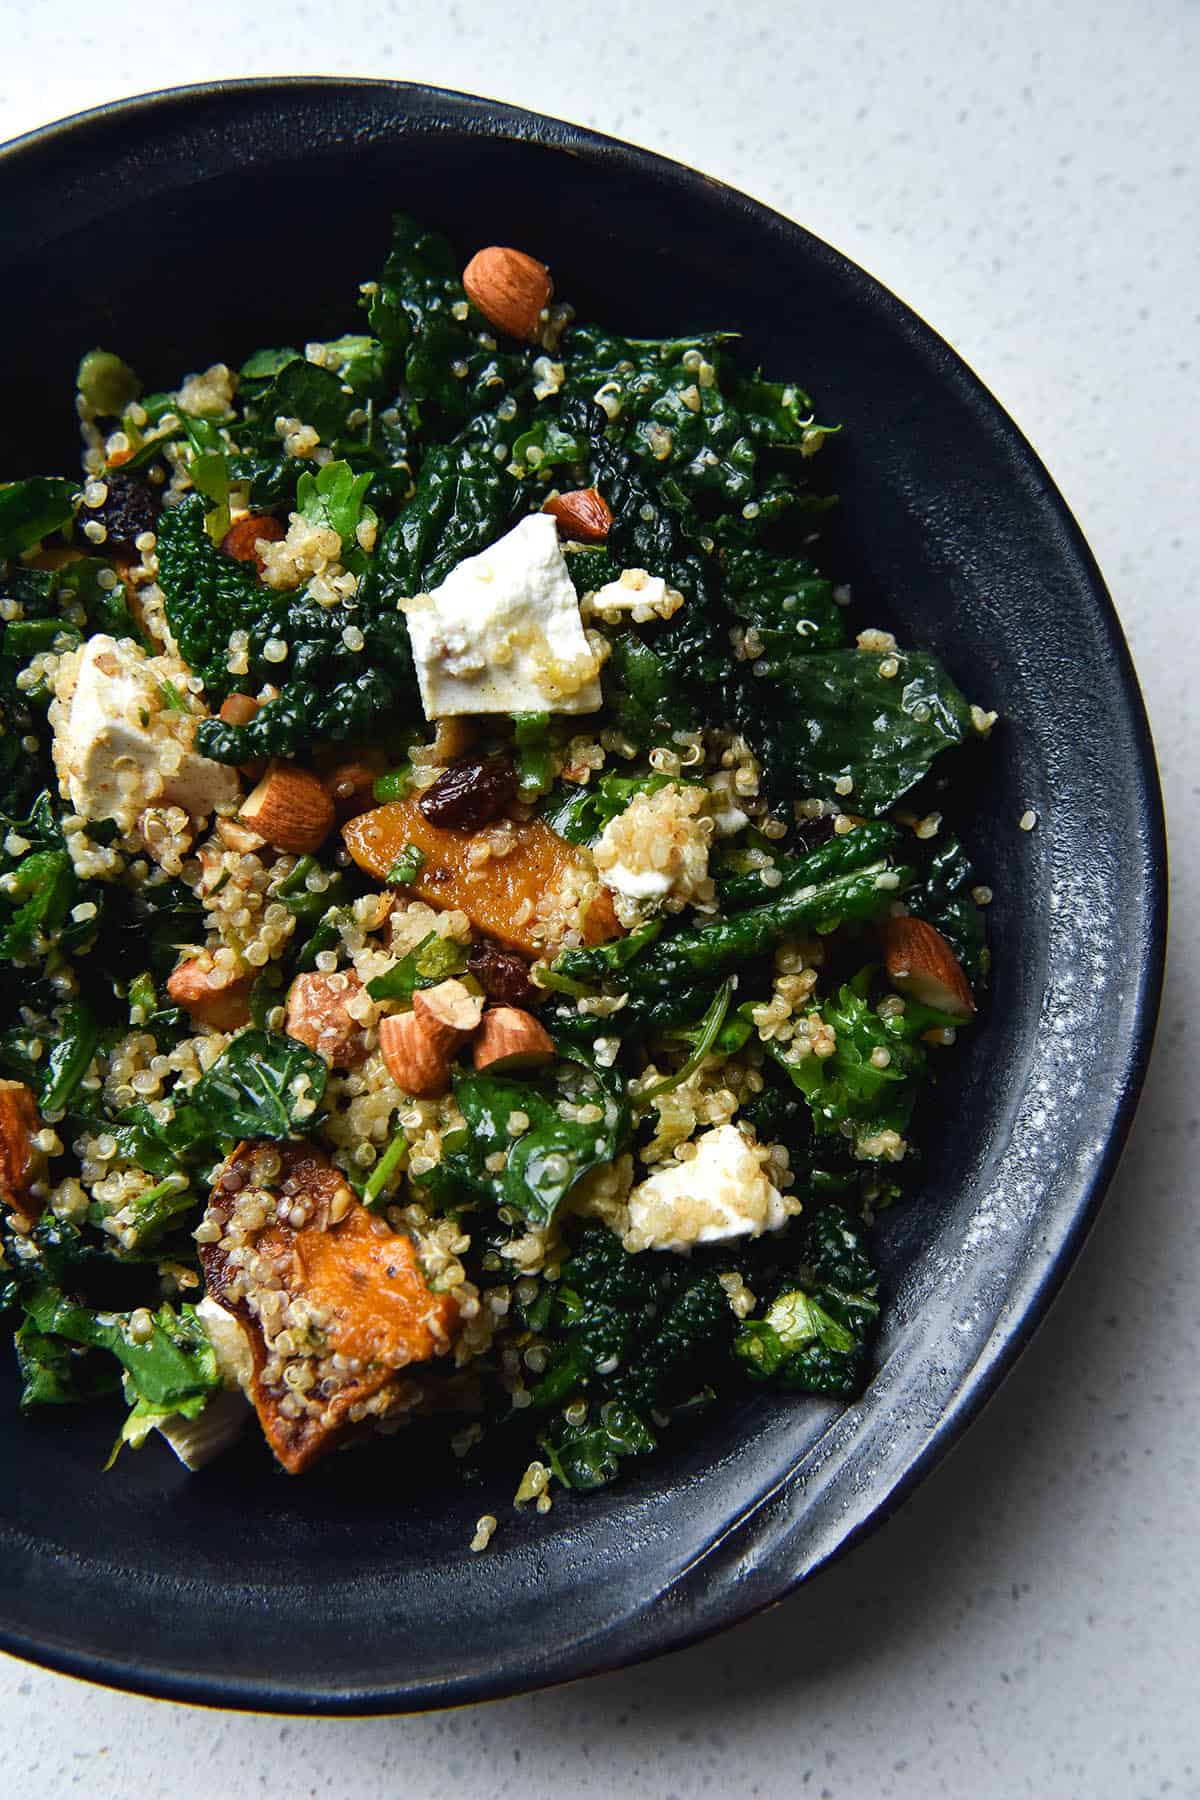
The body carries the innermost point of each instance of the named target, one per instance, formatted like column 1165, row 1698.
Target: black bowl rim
column 645, row 1633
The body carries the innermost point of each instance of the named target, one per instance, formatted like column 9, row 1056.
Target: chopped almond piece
column 447, row 1014
column 316, row 1015
column 921, row 963
column 500, row 895
column 510, row 1038
column 333, row 1301
column 21, row 1162
column 223, row 1003
column 238, row 709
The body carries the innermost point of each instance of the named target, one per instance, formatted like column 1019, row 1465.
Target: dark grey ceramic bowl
column 194, row 226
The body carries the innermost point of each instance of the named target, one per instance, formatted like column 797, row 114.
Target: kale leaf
column 30, row 510
column 814, row 1334
column 545, row 1161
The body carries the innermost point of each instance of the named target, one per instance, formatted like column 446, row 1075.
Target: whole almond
column 921, row 964
column 414, row 1062
column 510, row 289
column 510, row 1038
column 583, row 514
column 242, row 539
column 289, row 808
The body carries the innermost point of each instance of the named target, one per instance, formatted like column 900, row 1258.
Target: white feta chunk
column 230, row 1342
column 722, row 1192
column 120, row 746
column 197, row 1441
column 638, row 884
column 642, row 596
column 503, row 632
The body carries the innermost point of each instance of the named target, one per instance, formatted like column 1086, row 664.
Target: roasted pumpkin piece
column 511, row 879
column 21, row 1162
column 334, row 1303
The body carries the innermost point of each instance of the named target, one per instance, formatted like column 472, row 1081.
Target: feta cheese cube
column 503, row 632
column 721, row 1193
column 118, row 747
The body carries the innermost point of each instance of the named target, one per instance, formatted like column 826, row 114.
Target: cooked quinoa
column 477, row 911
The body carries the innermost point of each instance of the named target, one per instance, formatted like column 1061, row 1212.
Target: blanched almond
column 583, row 514
column 921, row 963
column 448, row 1014
column 509, row 1038
column 238, row 709
column 289, row 808
column 21, row 1162
column 413, row 1061
column 511, row 290
column 239, row 837
column 316, row 1015
column 225, row 1006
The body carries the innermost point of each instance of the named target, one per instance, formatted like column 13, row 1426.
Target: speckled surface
column 1027, row 178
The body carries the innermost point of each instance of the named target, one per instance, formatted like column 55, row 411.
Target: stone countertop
column 1027, row 178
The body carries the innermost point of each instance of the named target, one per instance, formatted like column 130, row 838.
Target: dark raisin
column 130, row 507
column 503, row 975
column 468, row 794
column 815, row 832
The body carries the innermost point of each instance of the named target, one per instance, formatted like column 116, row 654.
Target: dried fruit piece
column 511, row 290
column 501, row 895
column 503, row 975
column 509, row 1038
column 21, row 1162
column 130, row 507
column 216, row 997
column 304, row 1237
column 447, row 1014
column 317, row 1015
column 921, row 963
column 583, row 514
column 415, row 1063
column 469, row 794
column 289, row 808
column 242, row 539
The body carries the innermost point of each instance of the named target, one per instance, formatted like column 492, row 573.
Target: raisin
column 815, row 832
column 468, row 794
column 129, row 508
column 503, row 975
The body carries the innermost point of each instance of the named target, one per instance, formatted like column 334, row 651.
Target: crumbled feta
column 119, row 747
column 642, row 596
column 197, row 1441
column 230, row 1342
column 721, row 1192
column 503, row 632
column 657, row 850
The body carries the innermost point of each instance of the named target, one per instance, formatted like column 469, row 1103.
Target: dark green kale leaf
column 35, row 902
column 254, row 1089
column 434, row 959
column 328, row 690
column 587, row 1455
column 55, row 1372
column 464, row 500
column 419, row 311
column 300, row 390
column 170, row 1366
column 788, row 603
column 30, row 510
column 813, row 1336
column 942, row 897
column 817, row 718
column 847, row 1092
column 544, row 1162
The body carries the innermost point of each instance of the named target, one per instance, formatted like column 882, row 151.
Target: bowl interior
column 198, row 229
